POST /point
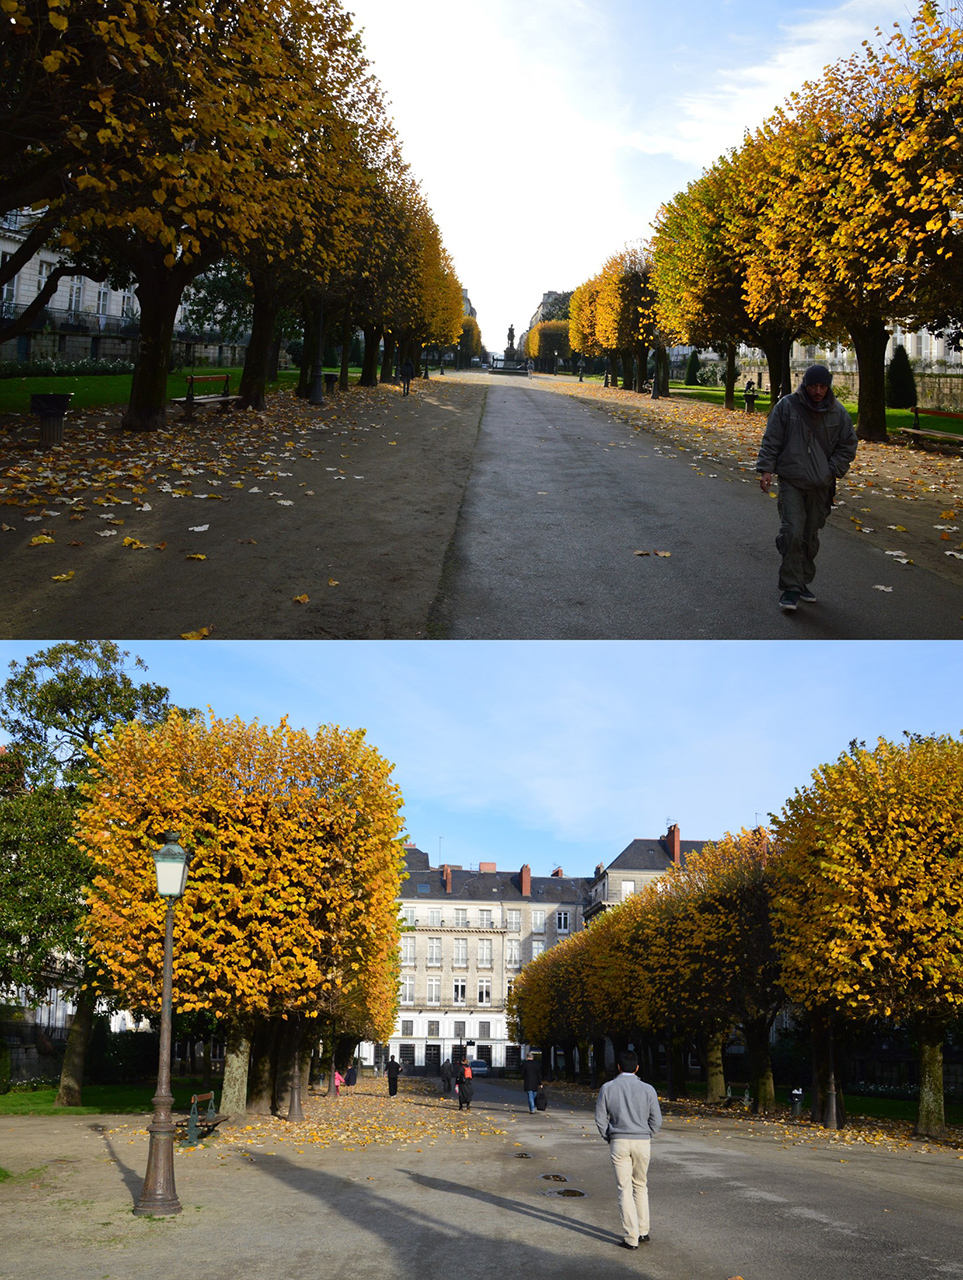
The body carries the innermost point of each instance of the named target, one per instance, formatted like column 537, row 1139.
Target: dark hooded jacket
column 808, row 446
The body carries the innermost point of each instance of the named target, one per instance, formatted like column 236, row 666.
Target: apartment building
column 467, row 934
column 639, row 863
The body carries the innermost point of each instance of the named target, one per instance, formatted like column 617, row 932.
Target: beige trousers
column 630, row 1158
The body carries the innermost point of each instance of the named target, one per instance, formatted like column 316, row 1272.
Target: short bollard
column 50, row 409
column 796, row 1099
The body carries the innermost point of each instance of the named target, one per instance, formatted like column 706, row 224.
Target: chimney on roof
column 410, row 844
column 558, row 872
column 674, row 843
column 487, row 866
column 525, row 875
column 446, row 876
column 600, row 868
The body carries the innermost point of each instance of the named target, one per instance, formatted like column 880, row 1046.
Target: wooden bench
column 195, row 1122
column 943, row 437
column 188, row 402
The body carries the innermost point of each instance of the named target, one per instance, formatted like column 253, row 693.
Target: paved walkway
column 464, row 1200
column 563, row 495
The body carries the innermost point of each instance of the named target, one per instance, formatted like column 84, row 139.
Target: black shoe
column 625, row 1245
column 788, row 601
column 807, row 596
column 643, row 1239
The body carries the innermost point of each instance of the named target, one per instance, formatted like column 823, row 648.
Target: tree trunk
column 388, row 361
column 331, row 1053
column 773, row 352
column 237, row 1058
column 656, row 391
column 346, row 332
column 254, row 377
column 715, row 1072
column 309, row 344
column 869, row 341
column 261, row 1097
column 287, row 1041
column 760, row 1065
column 785, row 371
column 159, row 292
column 274, row 358
column 72, row 1071
column 931, row 1118
column 730, row 401
column 369, row 364
column 822, row 1052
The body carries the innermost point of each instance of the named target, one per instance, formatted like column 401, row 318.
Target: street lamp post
column 158, row 1196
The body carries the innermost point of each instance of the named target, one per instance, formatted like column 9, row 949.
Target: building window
column 537, row 948
column 75, row 297
column 407, row 1027
column 407, row 949
column 484, row 990
column 433, row 1028
column 561, row 921
column 485, row 919
column 513, row 953
column 513, row 1056
column 9, row 291
column 459, row 991
column 484, row 953
column 461, row 918
column 408, row 990
column 103, row 299
column 484, row 1030
column 127, row 304
column 538, row 922
column 434, row 952
column 459, row 956
column 408, row 917
column 44, row 272
column 406, row 1055
column 459, row 1030
column 628, row 888
column 434, row 993
column 434, row 917
column 513, row 921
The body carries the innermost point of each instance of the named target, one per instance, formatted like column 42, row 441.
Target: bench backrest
column 208, row 377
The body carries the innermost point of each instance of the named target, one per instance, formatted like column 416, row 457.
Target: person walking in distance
column 809, row 444
column 447, row 1074
column 407, row 373
column 466, row 1086
column 627, row 1116
column 531, row 1080
column 392, row 1071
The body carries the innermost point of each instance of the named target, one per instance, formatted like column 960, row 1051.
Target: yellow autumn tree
column 290, row 902
column 871, row 895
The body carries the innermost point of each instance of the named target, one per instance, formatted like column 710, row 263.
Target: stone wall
column 933, row 390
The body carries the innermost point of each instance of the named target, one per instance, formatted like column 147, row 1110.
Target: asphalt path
column 562, row 495
column 727, row 1198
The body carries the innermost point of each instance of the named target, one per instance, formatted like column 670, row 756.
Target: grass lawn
column 93, row 391
column 896, row 419
column 102, row 1099
column 856, row 1105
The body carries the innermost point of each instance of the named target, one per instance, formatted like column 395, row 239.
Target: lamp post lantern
column 158, row 1196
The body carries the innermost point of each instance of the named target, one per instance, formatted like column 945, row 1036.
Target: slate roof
column 651, row 855
column 486, row 886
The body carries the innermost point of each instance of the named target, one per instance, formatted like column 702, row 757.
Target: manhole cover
column 554, row 1177
column 522, row 1155
column 565, row 1191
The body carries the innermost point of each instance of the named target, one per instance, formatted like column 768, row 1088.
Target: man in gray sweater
column 627, row 1116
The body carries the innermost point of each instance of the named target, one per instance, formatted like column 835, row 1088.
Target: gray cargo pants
column 802, row 513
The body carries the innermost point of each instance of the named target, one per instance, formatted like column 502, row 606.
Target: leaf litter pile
column 361, row 1117
column 906, row 501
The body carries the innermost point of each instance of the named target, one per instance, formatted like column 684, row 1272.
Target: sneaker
column 807, row 596
column 788, row 601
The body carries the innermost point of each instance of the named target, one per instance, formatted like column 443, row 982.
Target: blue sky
column 546, row 133
column 560, row 753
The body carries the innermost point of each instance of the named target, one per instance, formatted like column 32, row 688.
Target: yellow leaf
column 300, row 599
column 333, row 582
column 200, row 634
column 195, row 555
column 63, row 577
column 39, row 540
column 58, row 21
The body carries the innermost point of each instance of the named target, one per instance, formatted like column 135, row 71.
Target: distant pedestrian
column 392, row 1071
column 531, row 1080
column 351, row 1075
column 466, row 1086
column 809, row 444
column 407, row 373
column 447, row 1074
column 627, row 1116
column 338, row 1082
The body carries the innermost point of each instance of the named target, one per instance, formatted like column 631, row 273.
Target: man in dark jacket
column 392, row 1071
column 809, row 444
column 466, row 1085
column 531, row 1080
column 627, row 1116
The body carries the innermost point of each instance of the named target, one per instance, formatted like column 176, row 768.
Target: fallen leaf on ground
column 159, row 546
column 300, row 599
column 63, row 577
column 248, row 542
column 195, row 555
column 39, row 540
column 877, row 587
column 641, row 553
column 333, row 582
column 198, row 528
column 662, row 553
column 201, row 634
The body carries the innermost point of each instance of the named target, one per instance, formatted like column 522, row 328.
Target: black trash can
column 50, row 409
column 796, row 1098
